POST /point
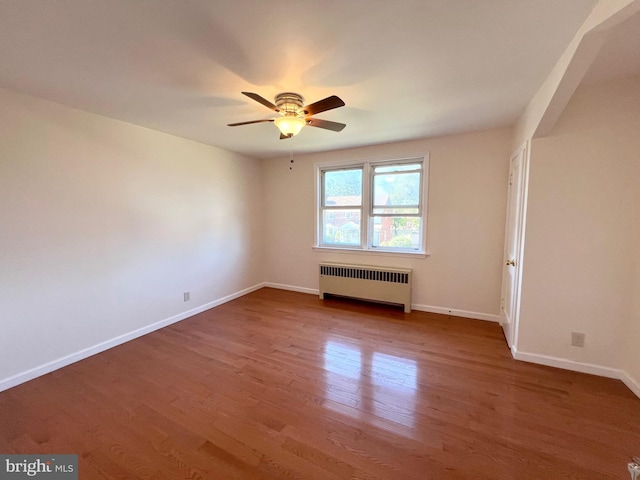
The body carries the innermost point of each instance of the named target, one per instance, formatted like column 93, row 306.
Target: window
column 375, row 206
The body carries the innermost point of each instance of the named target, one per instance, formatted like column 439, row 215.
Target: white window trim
column 365, row 224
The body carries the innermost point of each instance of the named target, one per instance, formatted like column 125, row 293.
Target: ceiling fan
column 293, row 115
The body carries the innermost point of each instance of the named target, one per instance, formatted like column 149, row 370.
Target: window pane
column 396, row 189
column 341, row 227
column 396, row 232
column 342, row 188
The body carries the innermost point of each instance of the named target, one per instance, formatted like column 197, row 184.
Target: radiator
column 392, row 285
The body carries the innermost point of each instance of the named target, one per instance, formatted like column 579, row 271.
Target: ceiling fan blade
column 249, row 123
column 328, row 103
column 262, row 100
column 326, row 124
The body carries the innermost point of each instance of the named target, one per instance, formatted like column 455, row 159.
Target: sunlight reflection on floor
column 370, row 384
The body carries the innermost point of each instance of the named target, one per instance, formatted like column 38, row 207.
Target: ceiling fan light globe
column 290, row 125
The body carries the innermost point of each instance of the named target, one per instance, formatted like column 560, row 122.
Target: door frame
column 511, row 331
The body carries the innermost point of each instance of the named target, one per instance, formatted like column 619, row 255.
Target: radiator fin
column 365, row 274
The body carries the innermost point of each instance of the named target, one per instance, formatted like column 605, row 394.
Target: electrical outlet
column 577, row 339
column 187, row 296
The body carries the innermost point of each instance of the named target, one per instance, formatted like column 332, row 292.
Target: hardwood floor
column 280, row 384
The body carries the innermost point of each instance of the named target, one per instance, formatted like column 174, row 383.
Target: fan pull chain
column 291, row 152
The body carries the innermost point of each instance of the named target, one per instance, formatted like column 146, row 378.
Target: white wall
column 104, row 225
column 581, row 253
column 467, row 201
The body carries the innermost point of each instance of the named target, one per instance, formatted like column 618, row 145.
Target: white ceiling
column 406, row 69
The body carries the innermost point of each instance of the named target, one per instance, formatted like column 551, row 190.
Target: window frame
column 367, row 205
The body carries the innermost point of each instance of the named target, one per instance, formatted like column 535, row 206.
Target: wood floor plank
column 280, row 384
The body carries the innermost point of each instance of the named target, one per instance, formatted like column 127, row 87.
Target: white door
column 513, row 247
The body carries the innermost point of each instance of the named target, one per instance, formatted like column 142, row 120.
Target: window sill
column 361, row 251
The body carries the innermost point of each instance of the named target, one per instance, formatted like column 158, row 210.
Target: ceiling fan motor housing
column 294, row 114
column 290, row 104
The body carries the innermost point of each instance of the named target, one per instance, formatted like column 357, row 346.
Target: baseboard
column 631, row 383
column 49, row 367
column 547, row 360
column 457, row 313
column 422, row 308
column 293, row 288
column 581, row 367
column 566, row 364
